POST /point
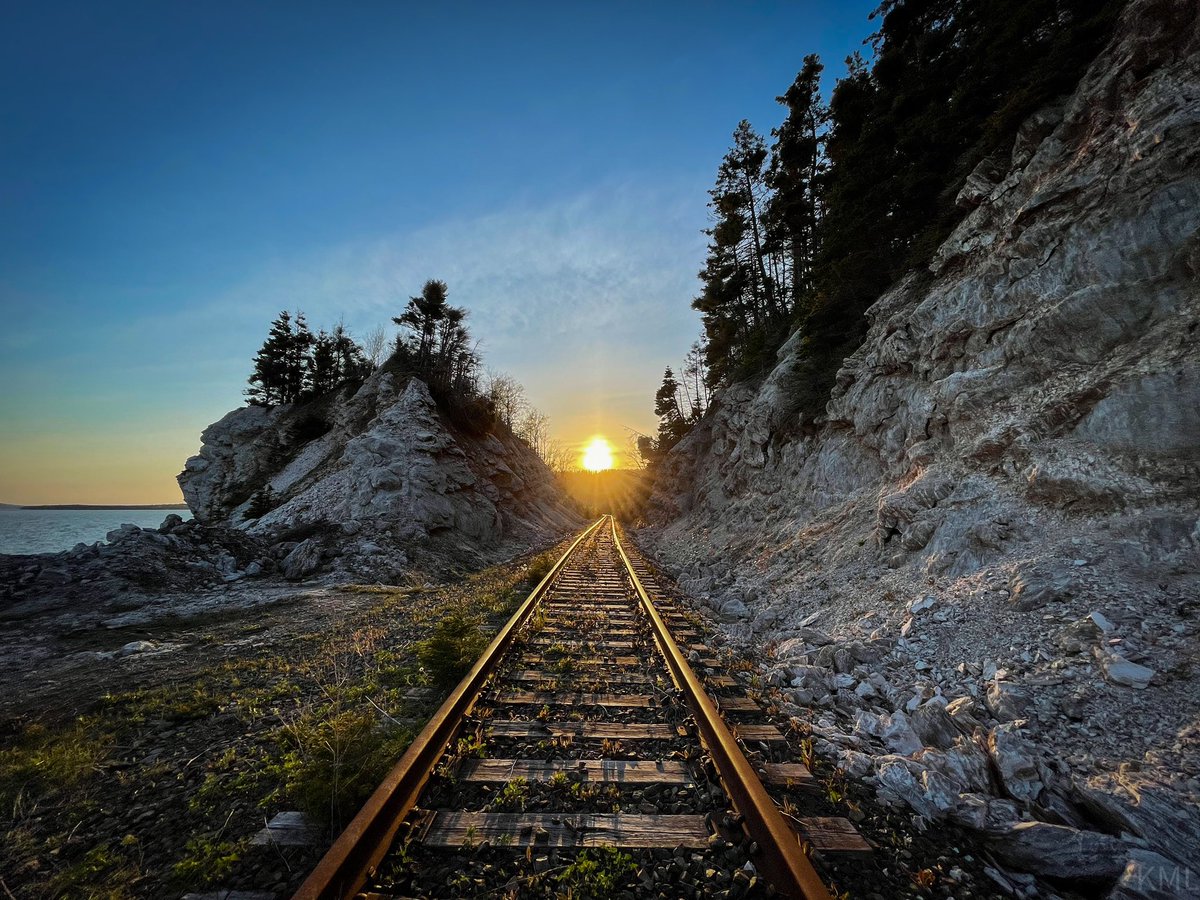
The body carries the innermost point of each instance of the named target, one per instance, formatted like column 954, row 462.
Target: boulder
column 812, row 678
column 982, row 812
column 1007, row 701
column 119, row 534
column 1040, row 586
column 1082, row 635
column 928, row 792
column 173, row 520
column 893, row 731
column 1016, row 761
column 962, row 712
column 303, row 560
column 965, row 763
column 734, row 609
column 933, row 726
column 1165, row 813
column 1057, row 851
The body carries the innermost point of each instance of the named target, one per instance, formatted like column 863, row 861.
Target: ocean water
column 51, row 530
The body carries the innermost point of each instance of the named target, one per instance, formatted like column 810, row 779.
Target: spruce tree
column 322, row 364
column 269, row 379
column 297, row 366
column 350, row 361
column 672, row 425
column 797, row 173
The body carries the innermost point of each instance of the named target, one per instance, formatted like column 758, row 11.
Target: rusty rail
column 348, row 864
column 781, row 858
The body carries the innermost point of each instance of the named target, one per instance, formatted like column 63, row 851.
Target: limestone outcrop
column 378, row 479
column 1003, row 495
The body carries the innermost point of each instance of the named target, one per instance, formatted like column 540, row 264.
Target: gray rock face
column 1016, row 437
column 1007, row 701
column 1016, row 762
column 1044, row 371
column 381, row 467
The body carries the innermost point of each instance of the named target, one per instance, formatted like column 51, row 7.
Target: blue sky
column 172, row 175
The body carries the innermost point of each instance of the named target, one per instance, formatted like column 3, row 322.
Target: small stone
column 925, row 602
column 134, row 647
column 1119, row 670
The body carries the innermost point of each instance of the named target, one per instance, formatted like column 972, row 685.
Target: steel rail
column 347, row 865
column 781, row 858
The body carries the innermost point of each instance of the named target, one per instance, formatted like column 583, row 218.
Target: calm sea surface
column 51, row 530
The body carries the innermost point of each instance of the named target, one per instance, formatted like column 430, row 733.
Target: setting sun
column 598, row 456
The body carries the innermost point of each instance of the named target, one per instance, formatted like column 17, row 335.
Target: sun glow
column 598, row 456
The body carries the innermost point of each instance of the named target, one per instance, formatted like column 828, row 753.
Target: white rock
column 134, row 647
column 387, row 457
column 1061, row 852
column 303, row 560
column 892, row 730
column 1119, row 670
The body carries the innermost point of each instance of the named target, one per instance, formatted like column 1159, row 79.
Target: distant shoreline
column 101, row 506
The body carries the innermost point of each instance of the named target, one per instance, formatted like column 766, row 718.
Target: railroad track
column 583, row 755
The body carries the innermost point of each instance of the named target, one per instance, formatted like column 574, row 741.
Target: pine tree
column 350, row 360
column 797, row 173
column 297, row 366
column 323, row 372
column 421, row 318
column 269, row 381
column 740, row 301
column 672, row 425
column 437, row 346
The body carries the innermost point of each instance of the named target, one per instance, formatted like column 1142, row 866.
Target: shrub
column 335, row 758
column 455, row 644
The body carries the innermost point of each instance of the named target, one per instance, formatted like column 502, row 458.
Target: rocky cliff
column 998, row 513
column 377, row 479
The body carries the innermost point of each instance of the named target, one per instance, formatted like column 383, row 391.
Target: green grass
column 457, row 641
column 207, row 860
column 595, row 874
column 106, row 871
column 513, row 796
column 47, row 764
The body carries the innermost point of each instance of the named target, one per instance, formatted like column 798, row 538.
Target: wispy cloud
column 584, row 299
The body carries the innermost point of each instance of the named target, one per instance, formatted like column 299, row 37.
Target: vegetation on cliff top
column 855, row 191
column 298, row 368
